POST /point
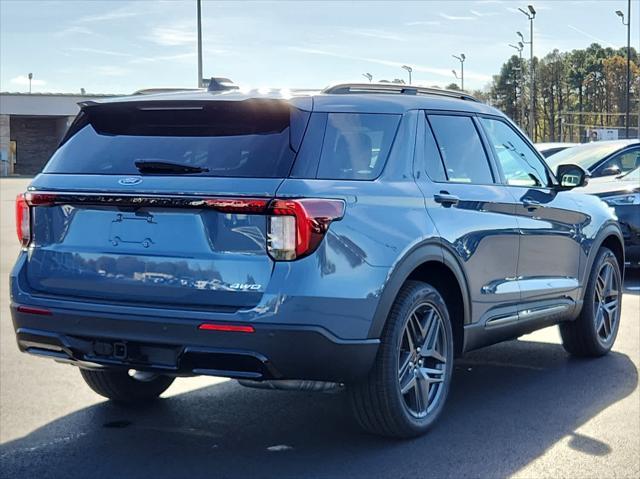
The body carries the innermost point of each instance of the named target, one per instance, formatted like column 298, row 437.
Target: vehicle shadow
column 509, row 403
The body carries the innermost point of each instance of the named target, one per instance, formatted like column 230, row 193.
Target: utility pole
column 199, row 4
column 628, row 25
column 531, row 14
column 461, row 59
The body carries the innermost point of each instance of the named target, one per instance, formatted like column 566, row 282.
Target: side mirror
column 572, row 176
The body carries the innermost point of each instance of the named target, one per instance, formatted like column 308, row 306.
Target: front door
column 473, row 213
column 550, row 225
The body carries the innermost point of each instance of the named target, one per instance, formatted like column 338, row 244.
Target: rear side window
column 252, row 138
column 462, row 152
column 356, row 145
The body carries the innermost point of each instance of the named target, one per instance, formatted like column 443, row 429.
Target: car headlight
column 623, row 200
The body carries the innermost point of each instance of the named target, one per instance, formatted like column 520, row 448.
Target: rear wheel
column 594, row 331
column 407, row 387
column 124, row 386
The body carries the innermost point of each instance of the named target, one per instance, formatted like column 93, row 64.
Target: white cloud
column 379, row 61
column 111, row 71
column 172, row 36
column 73, row 31
column 601, row 41
column 455, row 17
column 380, row 34
column 23, row 80
column 100, row 52
column 104, row 17
column 422, row 22
column 484, row 14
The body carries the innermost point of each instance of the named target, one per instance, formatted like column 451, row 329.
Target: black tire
column 118, row 385
column 378, row 404
column 582, row 337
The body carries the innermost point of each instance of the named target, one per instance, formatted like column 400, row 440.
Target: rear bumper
column 177, row 347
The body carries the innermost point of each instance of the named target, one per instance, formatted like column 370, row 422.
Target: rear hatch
column 159, row 202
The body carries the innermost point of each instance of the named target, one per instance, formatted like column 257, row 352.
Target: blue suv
column 360, row 237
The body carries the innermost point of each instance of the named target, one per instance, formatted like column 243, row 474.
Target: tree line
column 573, row 92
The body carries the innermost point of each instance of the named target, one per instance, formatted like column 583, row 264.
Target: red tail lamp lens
column 23, row 220
column 296, row 227
column 34, row 310
column 231, row 328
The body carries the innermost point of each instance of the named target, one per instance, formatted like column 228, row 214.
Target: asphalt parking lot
column 521, row 408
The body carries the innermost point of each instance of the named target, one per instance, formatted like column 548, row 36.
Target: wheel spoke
column 422, row 394
column 427, row 372
column 599, row 319
column 409, row 383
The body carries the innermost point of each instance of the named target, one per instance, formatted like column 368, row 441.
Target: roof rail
column 398, row 88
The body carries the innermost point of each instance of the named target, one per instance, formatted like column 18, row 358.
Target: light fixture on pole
column 199, row 8
column 628, row 25
column 409, row 70
column 368, row 76
column 461, row 59
column 530, row 14
column 455, row 74
column 30, row 76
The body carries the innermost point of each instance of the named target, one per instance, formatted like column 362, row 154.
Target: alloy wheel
column 422, row 362
column 606, row 302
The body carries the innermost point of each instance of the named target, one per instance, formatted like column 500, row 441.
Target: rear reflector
column 34, row 310
column 226, row 327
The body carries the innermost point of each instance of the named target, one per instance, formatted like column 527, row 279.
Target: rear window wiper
column 160, row 167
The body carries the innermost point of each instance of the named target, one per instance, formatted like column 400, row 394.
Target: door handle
column 445, row 199
column 531, row 204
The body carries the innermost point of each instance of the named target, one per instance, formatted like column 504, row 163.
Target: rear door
column 473, row 213
column 161, row 203
column 550, row 225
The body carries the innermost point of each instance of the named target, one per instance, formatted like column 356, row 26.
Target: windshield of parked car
column 583, row 155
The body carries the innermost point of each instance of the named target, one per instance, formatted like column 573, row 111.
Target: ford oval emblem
column 130, row 181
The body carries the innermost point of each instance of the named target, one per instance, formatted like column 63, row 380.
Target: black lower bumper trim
column 267, row 354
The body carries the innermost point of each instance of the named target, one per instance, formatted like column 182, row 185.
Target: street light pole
column 368, row 76
column 520, row 47
column 409, row 70
column 531, row 14
column 628, row 25
column 199, row 5
column 30, row 78
column 461, row 59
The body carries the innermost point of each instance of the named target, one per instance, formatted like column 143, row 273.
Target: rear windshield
column 253, row 138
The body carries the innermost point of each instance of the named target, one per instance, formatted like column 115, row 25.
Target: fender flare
column 610, row 228
column 415, row 257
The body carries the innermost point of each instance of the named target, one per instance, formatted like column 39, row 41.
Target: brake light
column 296, row 227
column 23, row 220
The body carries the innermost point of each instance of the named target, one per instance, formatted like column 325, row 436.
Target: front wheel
column 407, row 387
column 594, row 331
column 123, row 386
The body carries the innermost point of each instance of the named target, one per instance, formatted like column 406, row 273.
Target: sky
column 121, row 46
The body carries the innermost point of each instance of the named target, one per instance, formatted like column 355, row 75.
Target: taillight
column 295, row 228
column 23, row 220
